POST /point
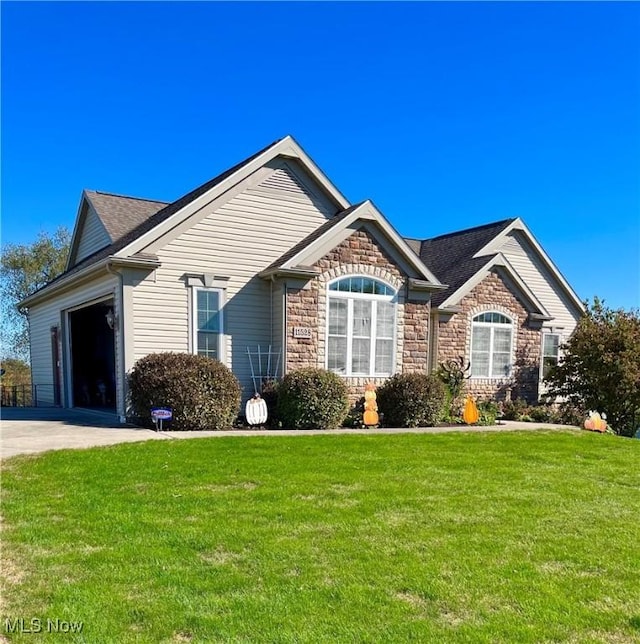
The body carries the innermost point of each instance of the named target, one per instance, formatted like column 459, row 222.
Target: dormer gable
column 89, row 234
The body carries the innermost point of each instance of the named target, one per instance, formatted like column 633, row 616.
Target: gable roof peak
column 454, row 257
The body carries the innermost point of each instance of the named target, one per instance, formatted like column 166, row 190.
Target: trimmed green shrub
column 514, row 409
column 312, row 399
column 569, row 414
column 202, row 392
column 411, row 400
column 269, row 393
column 355, row 417
column 542, row 414
column 488, row 411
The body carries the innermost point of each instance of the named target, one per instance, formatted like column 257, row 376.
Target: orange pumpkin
column 600, row 425
column 470, row 414
column 595, row 422
column 371, row 417
column 370, row 392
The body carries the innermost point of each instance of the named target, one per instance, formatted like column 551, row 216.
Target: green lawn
column 472, row 537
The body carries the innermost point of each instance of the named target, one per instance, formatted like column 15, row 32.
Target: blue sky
column 447, row 115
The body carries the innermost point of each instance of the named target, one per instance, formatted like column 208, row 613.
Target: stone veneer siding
column 415, row 351
column 302, row 311
column 359, row 254
column 454, row 340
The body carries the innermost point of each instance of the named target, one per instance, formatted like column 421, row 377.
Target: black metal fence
column 27, row 396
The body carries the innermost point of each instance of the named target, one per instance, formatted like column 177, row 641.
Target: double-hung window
column 550, row 352
column 491, row 343
column 361, row 327
column 208, row 329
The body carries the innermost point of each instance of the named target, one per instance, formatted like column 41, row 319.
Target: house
column 269, row 268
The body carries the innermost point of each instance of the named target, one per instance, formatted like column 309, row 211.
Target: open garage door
column 93, row 359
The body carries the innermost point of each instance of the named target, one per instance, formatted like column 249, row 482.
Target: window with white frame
column 207, row 318
column 361, row 323
column 550, row 352
column 491, row 344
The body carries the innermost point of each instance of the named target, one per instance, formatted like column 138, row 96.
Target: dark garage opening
column 93, row 357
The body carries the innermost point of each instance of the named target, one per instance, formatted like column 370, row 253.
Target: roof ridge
column 169, row 209
column 472, row 229
column 199, row 188
column 119, row 196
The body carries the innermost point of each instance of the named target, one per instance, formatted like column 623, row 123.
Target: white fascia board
column 495, row 245
column 423, row 285
column 301, row 272
column 75, row 237
column 134, row 262
column 406, row 250
column 74, row 279
column 63, row 283
column 499, row 261
column 364, row 212
column 286, row 147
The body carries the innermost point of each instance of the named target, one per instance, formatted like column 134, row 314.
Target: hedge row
column 205, row 395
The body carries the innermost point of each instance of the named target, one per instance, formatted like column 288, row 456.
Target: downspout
column 271, row 310
column 120, row 330
column 285, row 334
column 428, row 367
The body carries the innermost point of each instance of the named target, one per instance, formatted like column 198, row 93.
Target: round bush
column 269, row 393
column 312, row 399
column 202, row 392
column 411, row 400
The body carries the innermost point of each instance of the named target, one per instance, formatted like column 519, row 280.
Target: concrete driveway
column 35, row 430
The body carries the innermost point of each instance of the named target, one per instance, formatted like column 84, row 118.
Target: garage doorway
column 93, row 356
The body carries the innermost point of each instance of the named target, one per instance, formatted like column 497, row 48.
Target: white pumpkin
column 255, row 411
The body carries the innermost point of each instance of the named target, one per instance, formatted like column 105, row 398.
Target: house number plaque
column 302, row 332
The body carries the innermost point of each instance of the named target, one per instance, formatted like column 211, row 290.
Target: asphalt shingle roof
column 119, row 214
column 450, row 256
column 170, row 209
column 115, row 219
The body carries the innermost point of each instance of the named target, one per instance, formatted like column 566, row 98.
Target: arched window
column 491, row 342
column 361, row 327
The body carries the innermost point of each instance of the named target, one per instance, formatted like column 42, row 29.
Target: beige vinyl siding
column 93, row 236
column 51, row 313
column 539, row 279
column 237, row 241
column 285, row 179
